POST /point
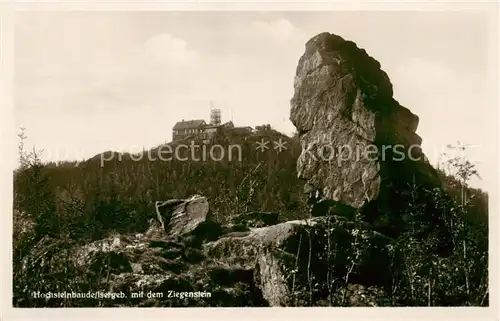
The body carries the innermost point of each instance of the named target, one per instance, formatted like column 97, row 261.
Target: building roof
column 212, row 126
column 195, row 123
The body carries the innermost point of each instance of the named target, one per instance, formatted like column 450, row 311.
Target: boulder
column 294, row 259
column 243, row 248
column 360, row 151
column 345, row 114
column 182, row 217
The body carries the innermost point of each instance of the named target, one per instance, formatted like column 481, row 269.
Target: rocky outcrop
column 289, row 259
column 359, row 146
column 347, row 118
column 285, row 264
column 163, row 263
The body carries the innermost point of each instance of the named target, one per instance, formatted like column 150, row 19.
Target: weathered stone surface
column 180, row 217
column 287, row 256
column 272, row 277
column 279, row 265
column 345, row 114
column 360, row 151
column 243, row 248
column 143, row 262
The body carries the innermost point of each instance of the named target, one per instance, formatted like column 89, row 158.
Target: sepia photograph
column 253, row 158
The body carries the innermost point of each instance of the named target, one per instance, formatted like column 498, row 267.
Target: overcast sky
column 86, row 82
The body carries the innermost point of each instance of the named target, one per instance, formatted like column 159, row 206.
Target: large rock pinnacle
column 358, row 143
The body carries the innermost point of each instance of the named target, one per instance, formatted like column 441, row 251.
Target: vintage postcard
column 206, row 156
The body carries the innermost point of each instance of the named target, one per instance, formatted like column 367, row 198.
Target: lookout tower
column 215, row 115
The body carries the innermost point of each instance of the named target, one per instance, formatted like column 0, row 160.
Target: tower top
column 215, row 115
